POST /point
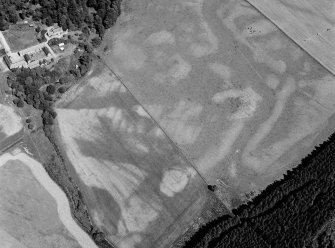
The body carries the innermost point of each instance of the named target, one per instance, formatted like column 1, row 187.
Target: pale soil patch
column 140, row 111
column 208, row 42
column 10, row 122
column 266, row 127
column 223, row 70
column 179, row 69
column 161, row 37
column 174, row 181
column 179, row 122
column 249, row 101
column 272, row 81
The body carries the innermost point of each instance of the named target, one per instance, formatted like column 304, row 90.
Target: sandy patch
column 272, row 81
column 161, row 37
column 248, row 97
column 141, row 111
column 222, row 70
column 10, row 122
column 174, row 181
column 179, row 69
column 265, row 128
column 179, row 122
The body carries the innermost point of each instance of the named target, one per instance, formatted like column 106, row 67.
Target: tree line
column 288, row 213
column 39, row 87
column 69, row 14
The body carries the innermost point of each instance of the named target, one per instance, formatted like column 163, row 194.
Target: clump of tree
column 84, row 63
column 56, row 41
column 96, row 41
column 288, row 213
column 75, row 14
column 12, row 10
column 39, row 87
column 69, row 14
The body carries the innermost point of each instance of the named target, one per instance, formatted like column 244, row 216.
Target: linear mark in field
column 155, row 122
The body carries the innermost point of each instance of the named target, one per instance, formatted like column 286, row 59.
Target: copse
column 69, row 14
column 51, row 89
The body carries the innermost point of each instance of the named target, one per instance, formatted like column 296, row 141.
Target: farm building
column 46, row 51
column 29, row 57
column 55, row 31
column 14, row 61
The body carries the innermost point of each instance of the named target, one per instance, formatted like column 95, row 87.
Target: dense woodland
column 40, row 87
column 69, row 14
column 288, row 213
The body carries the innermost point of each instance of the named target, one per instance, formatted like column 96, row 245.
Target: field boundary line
column 323, row 64
column 156, row 123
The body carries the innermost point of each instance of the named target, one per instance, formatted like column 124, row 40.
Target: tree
column 110, row 18
column 61, row 90
column 3, row 24
column 88, row 48
column 96, row 41
column 51, row 89
column 99, row 26
column 49, row 21
column 20, row 104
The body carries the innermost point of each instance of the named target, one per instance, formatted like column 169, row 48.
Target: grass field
column 20, row 36
column 310, row 23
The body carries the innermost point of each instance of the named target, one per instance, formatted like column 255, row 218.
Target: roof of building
column 16, row 58
column 53, row 30
column 27, row 57
column 46, row 50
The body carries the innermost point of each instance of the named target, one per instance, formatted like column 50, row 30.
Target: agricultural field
column 10, row 121
column 311, row 24
column 239, row 98
column 138, row 187
column 34, row 212
column 188, row 109
column 20, row 37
